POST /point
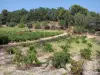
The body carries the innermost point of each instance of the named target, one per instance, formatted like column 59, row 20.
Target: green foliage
column 89, row 44
column 65, row 47
column 32, row 48
column 78, row 9
column 4, row 16
column 24, row 60
column 38, row 25
column 77, row 40
column 79, row 30
column 60, row 59
column 18, row 58
column 11, row 24
column 48, row 48
column 79, row 19
column 29, row 25
column 21, row 25
column 0, row 23
column 11, row 50
column 31, row 56
column 4, row 39
column 26, row 35
column 76, row 67
column 83, row 38
column 86, row 53
column 91, row 31
column 76, row 15
column 62, row 23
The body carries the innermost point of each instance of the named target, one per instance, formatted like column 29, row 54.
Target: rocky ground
column 89, row 68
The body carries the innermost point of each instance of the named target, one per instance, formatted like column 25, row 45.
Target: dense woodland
column 76, row 15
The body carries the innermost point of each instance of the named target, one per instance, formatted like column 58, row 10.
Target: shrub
column 62, row 23
column 31, row 56
column 18, row 58
column 77, row 40
column 60, row 59
column 89, row 44
column 21, row 25
column 86, row 53
column 84, row 41
column 32, row 48
column 76, row 67
column 11, row 24
column 91, row 31
column 37, row 25
column 29, row 25
column 79, row 30
column 26, row 60
column 65, row 47
column 48, row 48
column 11, row 50
column 83, row 38
column 4, row 39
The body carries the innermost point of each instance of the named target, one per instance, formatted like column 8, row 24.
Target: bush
column 11, row 24
column 91, row 31
column 79, row 30
column 65, row 47
column 62, row 23
column 60, row 59
column 32, row 48
column 21, row 25
column 29, row 25
column 26, row 60
column 76, row 67
column 86, row 53
column 89, row 44
column 48, row 48
column 11, row 50
column 83, row 38
column 37, row 25
column 18, row 58
column 77, row 40
column 4, row 39
column 31, row 56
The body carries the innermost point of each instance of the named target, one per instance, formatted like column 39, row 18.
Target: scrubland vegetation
column 80, row 45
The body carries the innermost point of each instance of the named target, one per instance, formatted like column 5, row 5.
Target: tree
column 93, row 14
column 78, row 9
column 79, row 19
column 24, row 19
column 61, row 12
column 0, row 20
column 4, row 16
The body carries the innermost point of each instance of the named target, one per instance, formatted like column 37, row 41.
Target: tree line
column 75, row 15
